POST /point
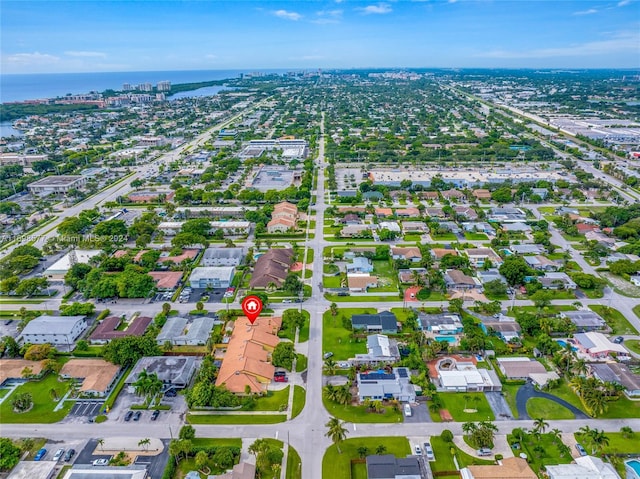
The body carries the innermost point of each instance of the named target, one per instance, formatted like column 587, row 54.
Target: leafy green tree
column 128, row 350
column 112, row 228
column 9, row 454
column 22, row 402
column 495, row 288
column 30, row 286
column 77, row 309
column 198, row 227
column 9, row 284
column 514, row 269
column 187, row 432
column 77, row 273
column 292, row 284
column 283, row 355
column 11, row 347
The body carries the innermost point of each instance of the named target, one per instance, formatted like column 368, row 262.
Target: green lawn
column 208, row 442
column 545, row 408
column 620, row 408
column 444, row 237
column 475, row 236
column 337, row 465
column 43, row 405
column 633, row 345
column 509, row 392
column 455, row 404
column 593, row 293
column 301, row 363
column 617, row 443
column 332, row 281
column 444, row 459
column 566, row 393
column 337, row 339
column 299, row 399
column 294, row 464
column 303, row 335
column 636, row 309
column 235, row 419
column 334, row 298
column 412, row 238
column 360, row 414
column 547, row 454
column 273, row 400
column 615, row 319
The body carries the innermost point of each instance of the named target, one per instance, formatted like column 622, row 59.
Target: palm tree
column 381, row 449
column 556, row 433
column 337, row 432
column 343, row 395
column 332, row 392
column 100, row 442
column 579, row 366
column 540, row 425
column 578, row 384
column 144, row 443
column 141, row 385
column 330, row 367
column 595, row 401
column 598, row 440
column 466, row 398
column 334, row 309
column 469, row 428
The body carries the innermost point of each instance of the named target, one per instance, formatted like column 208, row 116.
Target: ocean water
column 21, row 87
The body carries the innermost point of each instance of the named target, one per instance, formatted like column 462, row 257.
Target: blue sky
column 83, row 36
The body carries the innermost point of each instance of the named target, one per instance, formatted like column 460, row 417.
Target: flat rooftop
column 62, row 180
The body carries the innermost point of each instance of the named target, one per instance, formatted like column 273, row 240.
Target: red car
column 281, row 379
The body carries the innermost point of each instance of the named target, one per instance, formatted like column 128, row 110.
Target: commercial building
column 222, row 257
column 283, row 219
column 56, row 185
column 383, row 322
column 271, row 268
column 147, row 196
column 273, row 178
column 97, row 375
column 247, row 362
column 107, row 329
column 388, row 466
column 55, row 330
column 173, row 371
column 585, row 467
column 89, row 471
column 184, row 332
column 58, row 270
column 212, row 277
column 291, row 148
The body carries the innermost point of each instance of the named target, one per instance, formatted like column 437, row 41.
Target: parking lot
column 86, row 408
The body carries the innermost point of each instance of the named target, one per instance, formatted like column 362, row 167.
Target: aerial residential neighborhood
column 447, row 262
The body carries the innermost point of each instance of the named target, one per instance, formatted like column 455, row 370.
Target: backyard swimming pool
column 564, row 344
column 633, row 469
column 448, row 339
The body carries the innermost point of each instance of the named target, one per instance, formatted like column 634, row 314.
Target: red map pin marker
column 252, row 306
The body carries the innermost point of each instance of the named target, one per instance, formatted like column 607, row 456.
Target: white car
column 418, row 451
column 101, row 462
column 58, row 455
column 428, row 450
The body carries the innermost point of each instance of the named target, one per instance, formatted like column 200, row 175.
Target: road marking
column 277, row 434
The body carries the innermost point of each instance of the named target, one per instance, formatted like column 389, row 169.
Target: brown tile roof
column 97, row 374
column 282, row 220
column 511, row 468
column 106, row 330
column 483, row 194
column 246, row 361
column 186, row 254
column 384, row 211
column 271, row 267
column 361, row 281
column 120, row 253
column 452, row 194
column 442, row 252
column 12, row 368
column 166, row 279
column 411, row 252
column 139, row 254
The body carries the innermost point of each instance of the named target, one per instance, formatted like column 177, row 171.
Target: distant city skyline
column 85, row 36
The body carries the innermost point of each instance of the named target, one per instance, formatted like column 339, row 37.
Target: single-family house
column 508, row 468
column 411, row 253
column 456, row 279
column 541, row 263
column 585, row 320
column 360, row 283
column 555, row 280
column 360, row 264
column 387, row 466
column 383, row 322
column 479, row 256
column 612, row 372
column 585, row 467
column 382, row 385
column 444, row 323
column 380, row 350
column 598, row 346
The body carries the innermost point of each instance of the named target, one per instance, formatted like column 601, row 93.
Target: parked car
column 136, row 416
column 40, row 454
column 618, row 340
column 155, row 414
column 127, row 416
column 418, row 451
column 428, row 450
column 327, row 355
column 171, row 393
column 280, row 373
column 286, row 301
column 581, row 449
column 281, row 379
column 101, row 462
column 484, row 451
column 70, row 453
column 407, row 410
column 58, row 455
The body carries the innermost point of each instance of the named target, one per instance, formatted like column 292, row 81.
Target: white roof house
column 56, row 330
column 597, row 345
column 585, row 467
column 213, row 276
column 58, row 269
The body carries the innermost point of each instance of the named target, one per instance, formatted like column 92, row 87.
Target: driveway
column 499, row 405
column 527, row 392
column 419, row 413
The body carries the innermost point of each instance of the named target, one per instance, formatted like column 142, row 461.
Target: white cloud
column 591, row 11
column 32, row 59
column 85, row 54
column 211, row 56
column 621, row 42
column 287, row 15
column 328, row 16
column 380, row 9
column 624, row 3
